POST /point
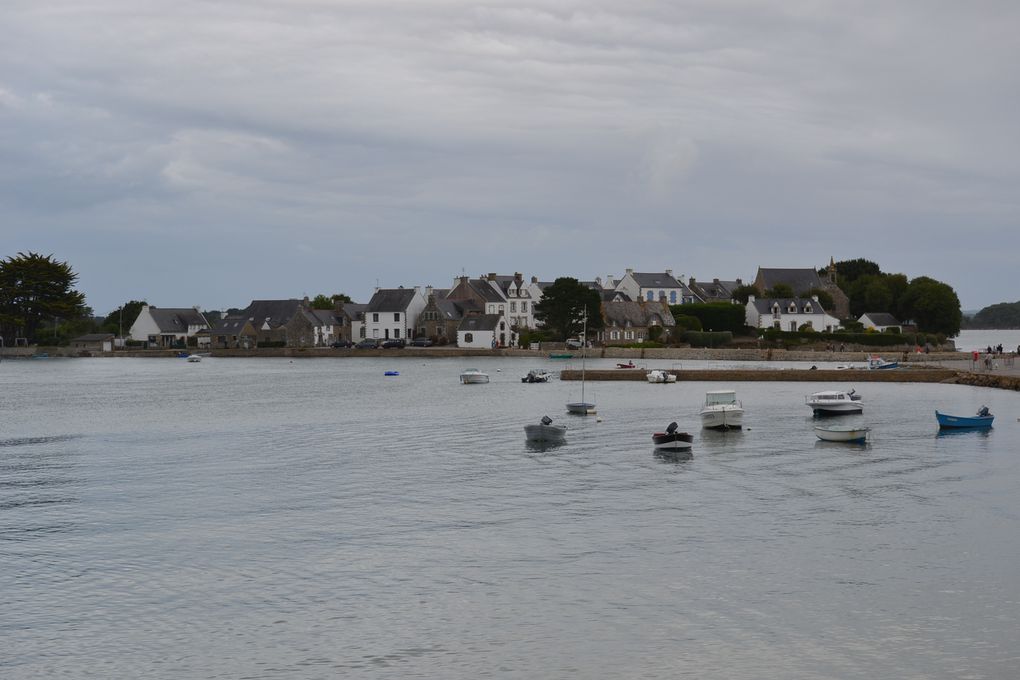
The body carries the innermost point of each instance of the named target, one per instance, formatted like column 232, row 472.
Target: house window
column 469, row 337
column 777, row 325
column 396, row 316
column 615, row 335
column 513, row 307
column 375, row 333
column 524, row 307
column 628, row 335
column 793, row 308
column 396, row 332
column 793, row 326
column 672, row 297
column 807, row 308
column 361, row 332
column 651, row 296
column 501, row 309
column 375, row 318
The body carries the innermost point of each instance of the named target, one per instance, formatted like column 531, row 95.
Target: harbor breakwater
column 921, row 375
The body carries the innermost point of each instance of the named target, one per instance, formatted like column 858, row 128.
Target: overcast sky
column 211, row 152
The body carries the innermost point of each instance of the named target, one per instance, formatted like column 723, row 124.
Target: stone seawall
column 1003, row 382
column 925, row 375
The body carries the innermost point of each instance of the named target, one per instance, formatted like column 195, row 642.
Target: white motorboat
column 194, row 358
column 473, row 376
column 657, row 376
column 877, row 363
column 853, row 435
column 536, row 376
column 722, row 411
column 671, row 440
column 834, row 402
column 545, row 432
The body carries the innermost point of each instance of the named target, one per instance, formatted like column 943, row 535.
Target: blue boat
column 981, row 421
column 392, row 373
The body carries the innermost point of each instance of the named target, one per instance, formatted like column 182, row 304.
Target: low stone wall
column 919, row 375
column 1003, row 382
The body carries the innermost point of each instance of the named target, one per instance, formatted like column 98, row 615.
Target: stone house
column 167, row 327
column 233, row 332
column 441, row 317
column 801, row 281
column 629, row 322
column 788, row 314
column 655, row 286
column 94, row 342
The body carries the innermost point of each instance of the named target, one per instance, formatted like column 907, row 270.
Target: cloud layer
column 212, row 152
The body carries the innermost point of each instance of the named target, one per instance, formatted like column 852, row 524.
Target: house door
column 386, row 333
column 793, row 326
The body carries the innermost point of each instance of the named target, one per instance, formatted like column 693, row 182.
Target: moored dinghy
column 982, row 420
column 672, row 440
column 545, row 432
column 850, row 435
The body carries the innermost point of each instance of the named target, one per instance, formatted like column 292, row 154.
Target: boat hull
column 546, row 434
column 474, row 379
column 847, row 435
column 581, row 408
column 660, row 377
column 722, row 417
column 948, row 422
column 672, row 441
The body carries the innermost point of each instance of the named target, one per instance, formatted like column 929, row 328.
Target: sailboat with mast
column 582, row 407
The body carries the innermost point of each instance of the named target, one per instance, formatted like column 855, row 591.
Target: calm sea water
column 313, row 519
column 971, row 340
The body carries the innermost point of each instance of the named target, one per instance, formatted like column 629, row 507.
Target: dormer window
column 807, row 308
column 793, row 307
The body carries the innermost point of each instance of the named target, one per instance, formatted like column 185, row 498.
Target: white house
column 393, row 313
column 788, row 314
column 165, row 327
column 520, row 305
column 653, row 287
column 485, row 331
column 880, row 321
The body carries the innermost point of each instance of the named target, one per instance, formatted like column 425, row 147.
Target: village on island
column 494, row 311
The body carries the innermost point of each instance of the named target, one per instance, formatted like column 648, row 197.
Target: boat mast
column 584, row 340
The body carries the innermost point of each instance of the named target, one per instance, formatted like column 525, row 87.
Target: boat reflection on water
column 835, row 446
column 673, row 455
column 542, row 446
column 980, row 432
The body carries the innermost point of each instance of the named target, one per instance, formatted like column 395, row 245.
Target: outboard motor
column 672, row 428
column 546, row 420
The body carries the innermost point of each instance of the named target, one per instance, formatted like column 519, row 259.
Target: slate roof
column 487, row 290
column 390, row 300
column 322, row 317
column 716, row 289
column 610, row 295
column 457, row 309
column 480, row 322
column 230, row 325
column 355, row 310
column 800, row 280
column 276, row 312
column 635, row 314
column 764, row 305
column 176, row 320
column 655, row 280
column 882, row 318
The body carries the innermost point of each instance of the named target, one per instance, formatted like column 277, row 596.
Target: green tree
column 933, row 306
column 780, row 290
column 1001, row 315
column 742, row 293
column 322, row 302
column 120, row 320
column 849, row 271
column 36, row 289
column 342, row 297
column 563, row 305
column 718, row 316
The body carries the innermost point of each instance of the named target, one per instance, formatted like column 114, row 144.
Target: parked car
column 342, row 344
column 421, row 342
column 394, row 343
column 367, row 343
column 573, row 343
